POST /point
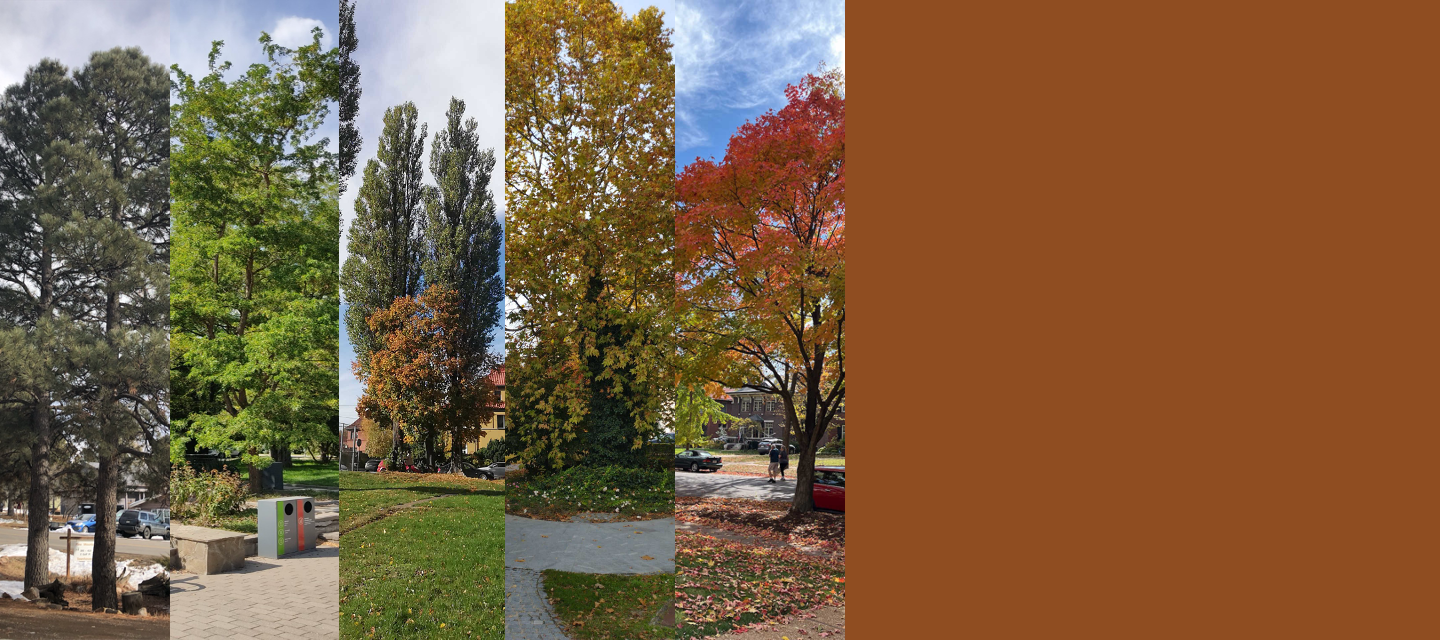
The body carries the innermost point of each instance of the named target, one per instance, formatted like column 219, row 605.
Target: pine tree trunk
column 37, row 518
column 102, row 570
column 37, row 553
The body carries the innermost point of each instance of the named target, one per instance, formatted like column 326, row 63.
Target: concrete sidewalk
column 294, row 597
column 641, row 546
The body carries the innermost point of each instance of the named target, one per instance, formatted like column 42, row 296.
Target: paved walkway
column 715, row 485
column 641, row 546
column 531, row 546
column 294, row 597
column 528, row 615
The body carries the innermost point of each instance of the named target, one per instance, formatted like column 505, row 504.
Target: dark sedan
column 372, row 465
column 696, row 460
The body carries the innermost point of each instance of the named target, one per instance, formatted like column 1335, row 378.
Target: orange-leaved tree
column 761, row 255
column 422, row 378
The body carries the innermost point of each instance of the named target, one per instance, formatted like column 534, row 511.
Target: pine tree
column 39, row 302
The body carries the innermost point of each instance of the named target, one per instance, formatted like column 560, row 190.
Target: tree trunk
column 102, row 570
column 37, row 553
column 254, row 472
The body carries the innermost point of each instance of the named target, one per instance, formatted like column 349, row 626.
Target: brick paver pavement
column 294, row 597
column 528, row 615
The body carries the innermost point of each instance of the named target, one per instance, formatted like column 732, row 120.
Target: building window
column 500, row 421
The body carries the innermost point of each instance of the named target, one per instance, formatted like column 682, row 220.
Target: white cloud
column 740, row 55
column 70, row 30
column 293, row 32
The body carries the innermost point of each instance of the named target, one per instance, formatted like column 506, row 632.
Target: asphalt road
column 152, row 547
column 715, row 485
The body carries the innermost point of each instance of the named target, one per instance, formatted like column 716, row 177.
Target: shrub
column 203, row 496
column 834, row 446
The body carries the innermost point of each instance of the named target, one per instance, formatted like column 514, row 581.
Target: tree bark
column 37, row 553
column 103, row 594
column 37, row 513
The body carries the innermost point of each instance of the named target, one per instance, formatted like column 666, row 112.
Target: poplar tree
column 350, row 91
column 384, row 240
column 462, row 238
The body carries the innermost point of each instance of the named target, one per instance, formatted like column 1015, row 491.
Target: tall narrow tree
column 462, row 239
column 350, row 91
column 384, row 242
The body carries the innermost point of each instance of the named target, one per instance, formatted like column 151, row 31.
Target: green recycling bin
column 285, row 526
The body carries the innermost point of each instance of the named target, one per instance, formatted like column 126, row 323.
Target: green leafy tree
column 589, row 144
column 694, row 409
column 255, row 306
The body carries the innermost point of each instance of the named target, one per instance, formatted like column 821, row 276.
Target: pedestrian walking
column 774, row 463
column 784, row 462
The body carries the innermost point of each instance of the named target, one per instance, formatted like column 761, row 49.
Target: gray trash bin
column 272, row 478
column 285, row 526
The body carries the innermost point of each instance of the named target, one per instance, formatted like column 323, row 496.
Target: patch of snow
column 14, row 588
column 123, row 570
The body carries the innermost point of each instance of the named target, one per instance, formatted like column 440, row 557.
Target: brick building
column 764, row 414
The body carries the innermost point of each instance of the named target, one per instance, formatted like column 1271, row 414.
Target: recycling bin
column 285, row 526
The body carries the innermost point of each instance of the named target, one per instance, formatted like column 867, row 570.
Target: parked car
column 695, row 460
column 769, row 443
column 133, row 522
column 372, row 465
column 830, row 488
column 82, row 524
column 493, row 471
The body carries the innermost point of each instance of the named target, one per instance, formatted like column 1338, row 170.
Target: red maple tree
column 761, row 263
column 421, row 378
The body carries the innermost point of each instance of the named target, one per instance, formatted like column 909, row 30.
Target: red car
column 830, row 488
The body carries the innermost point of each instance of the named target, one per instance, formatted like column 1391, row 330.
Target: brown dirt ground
column 23, row 619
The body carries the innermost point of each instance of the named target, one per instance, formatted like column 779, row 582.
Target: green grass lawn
column 313, row 472
column 643, row 493
column 602, row 606
column 368, row 495
column 432, row 570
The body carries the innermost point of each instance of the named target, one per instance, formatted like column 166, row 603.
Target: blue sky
column 70, row 30
column 195, row 23
column 733, row 59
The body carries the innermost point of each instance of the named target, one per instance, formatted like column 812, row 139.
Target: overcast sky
column 733, row 59
column 70, row 30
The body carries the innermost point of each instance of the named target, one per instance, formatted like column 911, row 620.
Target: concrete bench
column 205, row 551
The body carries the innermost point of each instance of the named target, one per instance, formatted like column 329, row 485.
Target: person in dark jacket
column 784, row 462
column 774, row 463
